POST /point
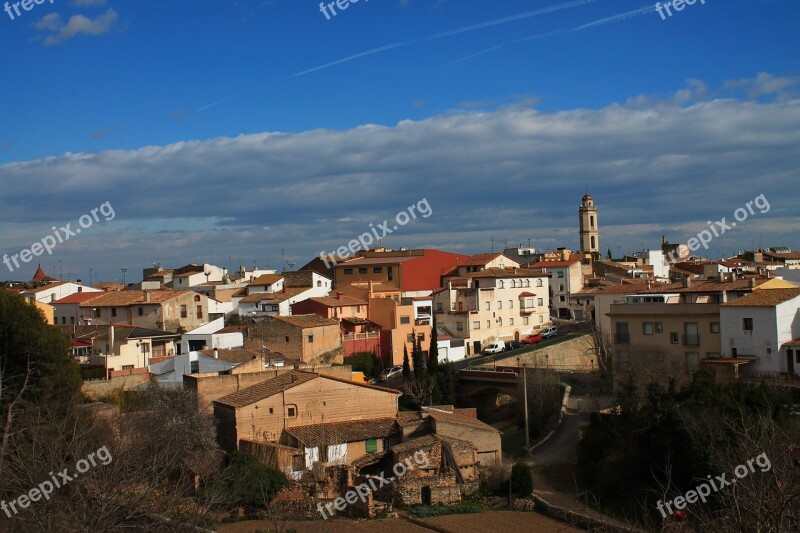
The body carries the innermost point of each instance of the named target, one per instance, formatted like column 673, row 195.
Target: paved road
column 508, row 356
column 562, row 447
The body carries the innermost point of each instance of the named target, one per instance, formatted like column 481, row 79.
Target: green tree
column 35, row 361
column 406, row 364
column 366, row 362
column 446, row 381
column 433, row 352
column 608, row 256
column 521, row 480
column 418, row 359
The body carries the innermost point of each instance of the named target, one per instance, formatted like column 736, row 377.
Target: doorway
column 426, row 495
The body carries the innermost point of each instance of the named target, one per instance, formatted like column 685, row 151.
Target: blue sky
column 244, row 128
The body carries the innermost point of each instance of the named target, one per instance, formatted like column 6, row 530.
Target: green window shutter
column 372, row 446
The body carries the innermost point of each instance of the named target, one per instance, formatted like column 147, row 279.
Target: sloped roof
column 553, row 264
column 307, row 321
column 497, row 272
column 274, row 297
column 259, row 391
column 341, row 432
column 232, row 355
column 78, row 297
column 266, row 279
column 40, row 276
column 765, row 298
column 124, row 298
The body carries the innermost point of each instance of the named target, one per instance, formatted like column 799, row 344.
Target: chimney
column 79, row 281
column 216, row 353
column 663, row 240
column 752, row 283
column 687, row 281
column 146, row 296
column 340, row 296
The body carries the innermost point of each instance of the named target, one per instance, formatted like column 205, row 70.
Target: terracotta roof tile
column 259, row 391
column 342, row 432
column 307, row 321
column 765, row 298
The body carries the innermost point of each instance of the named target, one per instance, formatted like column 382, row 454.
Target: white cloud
column 654, row 165
column 76, row 25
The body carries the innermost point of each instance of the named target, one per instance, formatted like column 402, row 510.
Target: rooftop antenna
column 124, row 274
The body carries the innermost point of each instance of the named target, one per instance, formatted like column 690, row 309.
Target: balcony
column 691, row 340
column 361, row 336
column 422, row 321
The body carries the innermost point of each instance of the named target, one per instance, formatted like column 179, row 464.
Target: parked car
column 533, row 338
column 495, row 347
column 513, row 345
column 552, row 331
column 389, row 373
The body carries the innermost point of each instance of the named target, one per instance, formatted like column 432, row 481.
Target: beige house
column 159, row 309
column 667, row 332
column 308, row 338
column 493, row 303
column 326, row 419
column 566, row 278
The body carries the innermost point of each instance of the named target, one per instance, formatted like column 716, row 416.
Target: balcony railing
column 422, row 322
column 361, row 336
column 691, row 340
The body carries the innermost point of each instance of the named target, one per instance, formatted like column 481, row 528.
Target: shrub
column 521, row 480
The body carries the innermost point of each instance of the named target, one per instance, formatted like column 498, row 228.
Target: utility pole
column 525, row 394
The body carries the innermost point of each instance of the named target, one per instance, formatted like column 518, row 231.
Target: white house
column 765, row 327
column 55, row 291
column 172, row 370
column 451, row 348
column 211, row 335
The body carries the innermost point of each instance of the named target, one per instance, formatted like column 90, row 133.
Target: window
column 538, row 283
column 459, row 326
column 319, row 283
column 274, row 308
column 562, row 298
column 659, row 327
column 476, row 324
column 72, row 320
column 540, row 301
column 673, row 337
column 622, row 334
column 291, row 411
column 527, row 283
column 195, row 367
column 488, row 324
column 311, row 338
column 560, row 275
column 197, row 298
column 371, row 445
column 127, row 367
column 270, row 410
column 647, row 328
column 561, row 288
column 500, row 284
column 362, row 270
column 114, row 312
column 184, row 313
column 500, row 321
column 410, row 338
column 499, row 304
column 488, row 305
column 355, row 309
column 421, row 337
column 199, row 311
column 525, row 321
column 405, row 320
column 510, row 321
column 377, row 270
column 141, row 311
column 286, row 338
column 511, row 304
column 348, row 271
column 748, row 324
column 541, row 319
column 439, row 307
column 389, row 275
column 714, row 327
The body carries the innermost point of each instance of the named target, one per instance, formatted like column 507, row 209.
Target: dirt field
column 490, row 522
column 500, row 522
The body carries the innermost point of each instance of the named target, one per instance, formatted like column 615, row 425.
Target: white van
column 495, row 347
column 552, row 331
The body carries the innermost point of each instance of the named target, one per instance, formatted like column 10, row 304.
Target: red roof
column 553, row 264
column 41, row 276
column 526, row 293
column 78, row 297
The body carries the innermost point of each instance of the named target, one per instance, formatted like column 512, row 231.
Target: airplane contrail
column 600, row 22
column 449, row 33
column 212, row 105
